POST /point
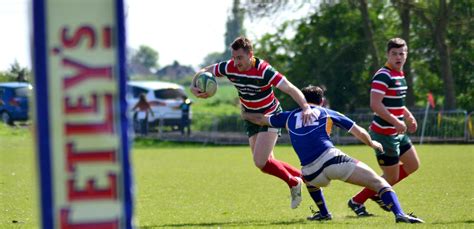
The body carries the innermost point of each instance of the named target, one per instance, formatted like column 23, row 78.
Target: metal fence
column 441, row 127
column 470, row 127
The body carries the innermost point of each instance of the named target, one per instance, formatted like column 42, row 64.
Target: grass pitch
column 203, row 186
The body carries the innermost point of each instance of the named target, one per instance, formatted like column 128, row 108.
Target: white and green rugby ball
column 206, row 82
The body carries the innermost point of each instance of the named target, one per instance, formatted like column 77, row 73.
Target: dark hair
column 142, row 96
column 142, row 99
column 313, row 94
column 395, row 43
column 242, row 43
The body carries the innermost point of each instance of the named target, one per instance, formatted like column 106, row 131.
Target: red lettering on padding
column 83, row 32
column 74, row 157
column 65, row 224
column 84, row 72
column 95, row 128
column 107, row 38
column 80, row 107
column 91, row 192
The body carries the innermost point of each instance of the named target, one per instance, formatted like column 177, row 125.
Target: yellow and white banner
column 80, row 108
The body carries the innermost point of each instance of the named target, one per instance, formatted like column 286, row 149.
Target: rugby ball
column 206, row 82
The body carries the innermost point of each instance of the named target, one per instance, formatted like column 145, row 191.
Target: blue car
column 14, row 101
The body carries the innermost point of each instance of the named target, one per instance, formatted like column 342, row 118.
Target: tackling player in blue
column 322, row 162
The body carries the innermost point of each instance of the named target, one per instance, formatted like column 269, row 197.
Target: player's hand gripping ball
column 206, row 82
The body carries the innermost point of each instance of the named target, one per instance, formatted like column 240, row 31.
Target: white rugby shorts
column 333, row 164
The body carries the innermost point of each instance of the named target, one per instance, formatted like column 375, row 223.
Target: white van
column 164, row 98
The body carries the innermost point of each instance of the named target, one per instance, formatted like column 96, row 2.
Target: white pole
column 424, row 123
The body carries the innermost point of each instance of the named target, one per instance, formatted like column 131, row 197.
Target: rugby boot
column 410, row 218
column 358, row 209
column 295, row 192
column 317, row 216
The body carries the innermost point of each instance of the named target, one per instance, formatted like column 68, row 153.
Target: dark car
column 14, row 101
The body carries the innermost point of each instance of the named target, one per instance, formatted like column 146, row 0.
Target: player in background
column 321, row 162
column 254, row 80
column 391, row 121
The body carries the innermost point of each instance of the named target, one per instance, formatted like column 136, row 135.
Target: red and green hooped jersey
column 255, row 86
column 393, row 86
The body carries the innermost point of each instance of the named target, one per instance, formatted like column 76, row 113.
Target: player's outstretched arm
column 196, row 92
column 295, row 93
column 361, row 134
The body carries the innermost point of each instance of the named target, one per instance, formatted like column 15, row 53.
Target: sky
column 172, row 28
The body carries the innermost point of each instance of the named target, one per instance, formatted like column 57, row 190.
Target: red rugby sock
column 401, row 174
column 363, row 195
column 275, row 168
column 292, row 170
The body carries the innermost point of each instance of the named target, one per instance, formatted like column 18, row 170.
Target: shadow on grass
column 251, row 223
column 361, row 217
column 232, row 223
column 268, row 223
column 455, row 222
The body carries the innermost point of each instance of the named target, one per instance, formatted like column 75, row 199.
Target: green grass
column 202, row 186
column 18, row 186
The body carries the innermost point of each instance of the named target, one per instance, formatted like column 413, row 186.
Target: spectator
column 142, row 109
column 185, row 122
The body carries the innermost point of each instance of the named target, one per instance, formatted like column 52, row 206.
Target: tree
column 460, row 36
column 404, row 10
column 18, row 73
column 4, row 76
column 436, row 18
column 212, row 58
column 320, row 54
column 276, row 49
column 439, row 36
column 145, row 58
column 234, row 27
column 334, row 58
column 329, row 52
column 271, row 8
column 369, row 35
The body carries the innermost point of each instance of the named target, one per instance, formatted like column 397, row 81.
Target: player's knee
column 379, row 183
column 259, row 163
column 415, row 167
column 411, row 167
